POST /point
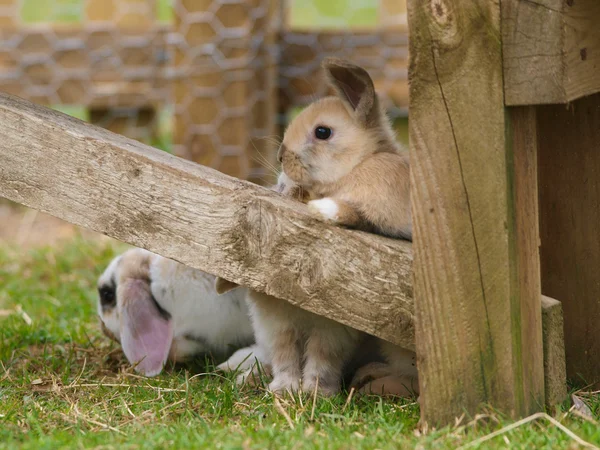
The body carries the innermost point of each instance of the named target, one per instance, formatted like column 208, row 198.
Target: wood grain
column 472, row 212
column 524, row 254
column 555, row 372
column 242, row 232
column 551, row 50
column 569, row 188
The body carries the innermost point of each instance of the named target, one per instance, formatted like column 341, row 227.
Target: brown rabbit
column 300, row 349
column 396, row 376
column 343, row 151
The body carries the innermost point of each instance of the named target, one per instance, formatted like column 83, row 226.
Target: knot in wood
column 440, row 11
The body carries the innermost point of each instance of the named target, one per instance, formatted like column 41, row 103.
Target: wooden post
column 476, row 262
column 555, row 374
column 569, row 185
column 225, row 83
column 130, row 17
column 563, row 67
column 262, row 148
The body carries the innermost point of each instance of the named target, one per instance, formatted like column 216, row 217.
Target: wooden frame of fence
column 476, row 155
column 478, row 72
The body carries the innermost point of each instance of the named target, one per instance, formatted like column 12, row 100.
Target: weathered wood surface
column 473, row 213
column 524, row 254
column 202, row 218
column 569, row 186
column 555, row 372
column 551, row 50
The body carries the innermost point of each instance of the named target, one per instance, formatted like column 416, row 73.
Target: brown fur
column 135, row 266
column 392, row 377
column 361, row 167
column 362, row 171
column 391, row 386
column 302, row 347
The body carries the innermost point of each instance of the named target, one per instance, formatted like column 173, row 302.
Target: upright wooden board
column 569, row 186
column 555, row 372
column 551, row 50
column 477, row 299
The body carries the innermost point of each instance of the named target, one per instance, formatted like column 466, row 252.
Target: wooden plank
column 569, row 187
column 202, row 218
column 555, row 371
column 472, row 212
column 551, row 50
column 524, row 255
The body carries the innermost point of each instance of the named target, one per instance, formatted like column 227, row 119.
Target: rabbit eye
column 107, row 296
column 322, row 133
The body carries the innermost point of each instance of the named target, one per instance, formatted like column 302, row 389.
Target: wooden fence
column 478, row 72
column 490, row 168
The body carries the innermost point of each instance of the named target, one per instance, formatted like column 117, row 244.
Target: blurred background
column 213, row 81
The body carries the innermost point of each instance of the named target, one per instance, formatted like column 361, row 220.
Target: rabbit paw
column 326, row 208
column 284, row 383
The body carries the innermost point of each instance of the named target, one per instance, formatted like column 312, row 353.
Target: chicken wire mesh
column 210, row 80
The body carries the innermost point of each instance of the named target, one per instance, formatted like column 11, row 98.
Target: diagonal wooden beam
column 245, row 233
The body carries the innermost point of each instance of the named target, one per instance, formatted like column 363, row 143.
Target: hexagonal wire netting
column 210, row 80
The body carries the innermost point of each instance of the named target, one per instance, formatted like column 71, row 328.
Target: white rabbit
column 162, row 310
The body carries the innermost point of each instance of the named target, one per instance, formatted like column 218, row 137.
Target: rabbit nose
column 280, row 152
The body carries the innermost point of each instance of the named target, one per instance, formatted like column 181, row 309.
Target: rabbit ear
column 146, row 329
column 354, row 87
column 222, row 286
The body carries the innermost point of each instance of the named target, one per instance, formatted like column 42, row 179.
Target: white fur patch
column 325, row 207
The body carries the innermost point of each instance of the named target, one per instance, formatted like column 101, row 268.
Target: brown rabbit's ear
column 354, row 87
column 222, row 285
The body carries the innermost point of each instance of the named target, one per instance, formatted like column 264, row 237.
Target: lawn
column 64, row 385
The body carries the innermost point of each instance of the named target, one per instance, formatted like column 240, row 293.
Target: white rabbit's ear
column 354, row 87
column 146, row 329
column 222, row 286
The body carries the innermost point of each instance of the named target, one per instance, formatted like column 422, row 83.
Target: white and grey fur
column 201, row 320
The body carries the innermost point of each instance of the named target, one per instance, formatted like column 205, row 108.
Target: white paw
column 242, row 359
column 247, row 377
column 325, row 207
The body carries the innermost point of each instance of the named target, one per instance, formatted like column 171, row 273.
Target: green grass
column 52, row 11
column 333, row 14
column 58, row 377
